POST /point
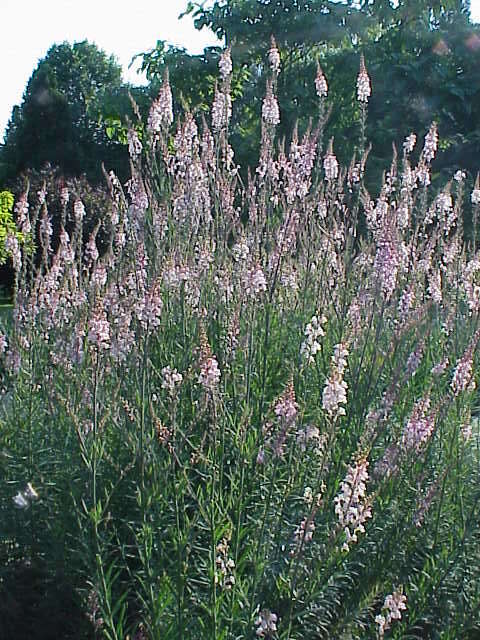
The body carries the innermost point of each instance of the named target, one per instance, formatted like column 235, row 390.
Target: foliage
column 7, row 223
column 423, row 59
column 58, row 120
column 243, row 417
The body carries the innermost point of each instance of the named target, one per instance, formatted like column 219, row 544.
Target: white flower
column 20, row 501
column 23, row 498
column 270, row 110
column 364, row 89
column 476, row 196
column 321, row 85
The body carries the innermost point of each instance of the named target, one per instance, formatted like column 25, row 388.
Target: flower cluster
column 225, row 63
column 431, row 143
column 463, row 379
column 270, row 110
column 221, row 110
column 266, row 624
column 335, row 390
column 364, row 88
column 321, row 86
column 351, row 505
column 161, row 111
column 303, row 534
column 313, row 332
column 419, row 426
column 99, row 331
column 255, row 282
column 274, row 56
column 225, row 565
column 170, row 379
column 393, row 606
column 330, row 164
column 24, row 498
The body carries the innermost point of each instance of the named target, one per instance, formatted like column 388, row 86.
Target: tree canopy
column 58, row 120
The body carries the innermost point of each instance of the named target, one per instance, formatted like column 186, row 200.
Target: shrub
column 251, row 415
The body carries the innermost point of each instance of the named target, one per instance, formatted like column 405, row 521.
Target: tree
column 58, row 120
column 423, row 57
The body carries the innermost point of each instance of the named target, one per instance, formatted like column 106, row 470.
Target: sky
column 119, row 27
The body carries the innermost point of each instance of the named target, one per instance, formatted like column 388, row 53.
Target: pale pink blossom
column 364, row 88
column 161, row 111
column 209, row 375
column 99, row 331
column 274, row 56
column 431, row 143
column 352, row 506
column 225, row 63
column 321, row 86
column 266, row 624
column 392, row 607
column 270, row 110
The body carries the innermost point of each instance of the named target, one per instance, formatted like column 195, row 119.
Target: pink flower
column 209, row 375
column 225, row 64
column 221, row 110
column 161, row 111
column 351, row 504
column 335, row 390
column 270, row 110
column 274, row 56
column 364, row 89
column 393, row 606
column 266, row 624
column 431, row 143
column 99, row 331
column 321, row 85
column 419, row 426
column 463, row 375
column 330, row 164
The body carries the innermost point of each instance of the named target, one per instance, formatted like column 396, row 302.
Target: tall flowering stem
column 364, row 91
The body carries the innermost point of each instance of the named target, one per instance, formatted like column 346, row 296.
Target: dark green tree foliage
column 423, row 58
column 59, row 119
